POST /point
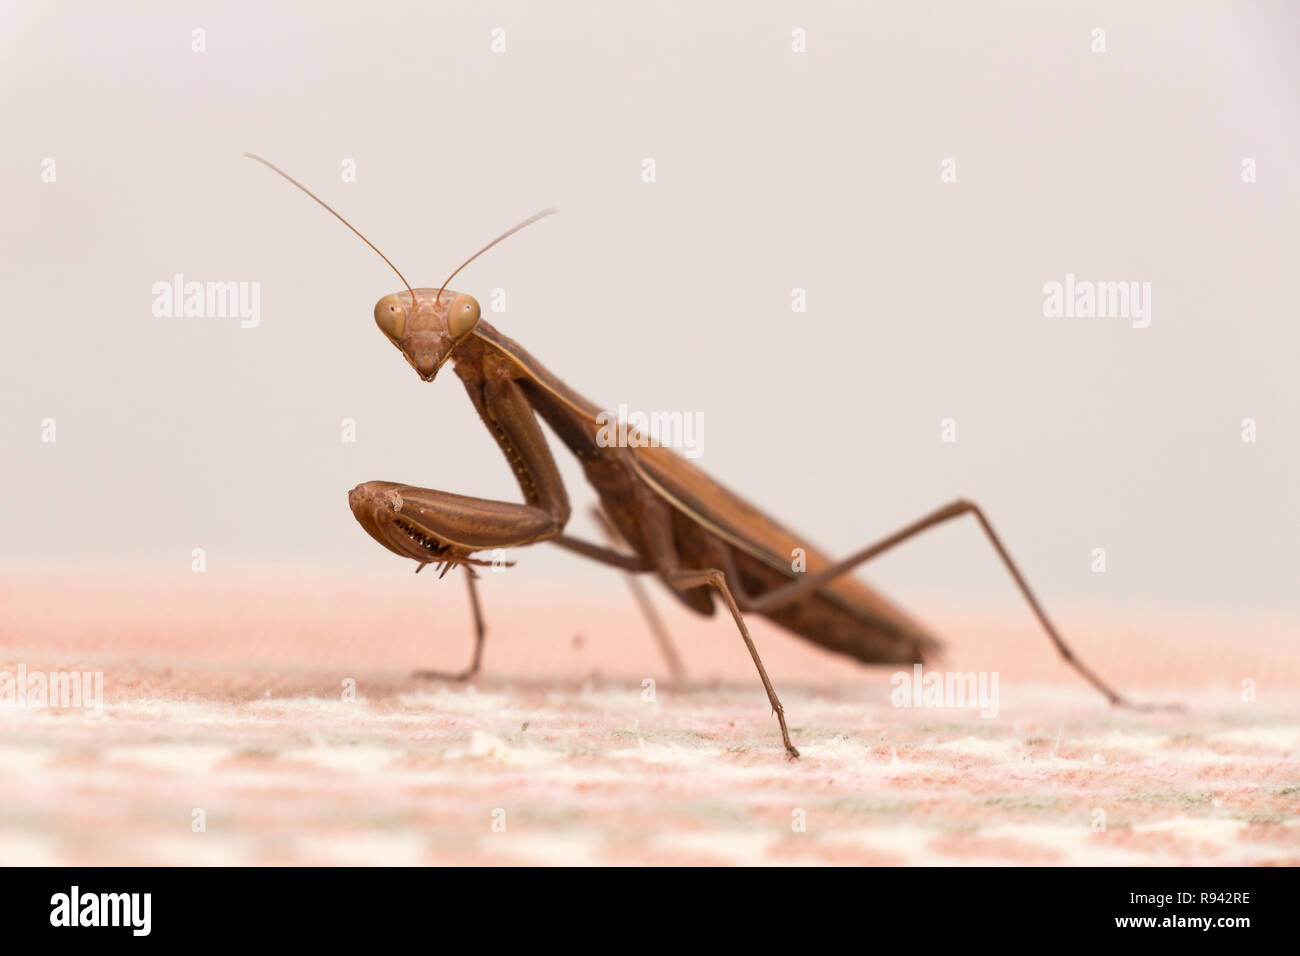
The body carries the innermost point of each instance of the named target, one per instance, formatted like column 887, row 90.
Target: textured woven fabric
column 276, row 722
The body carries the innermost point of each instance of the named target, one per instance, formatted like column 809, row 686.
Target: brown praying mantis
column 698, row 537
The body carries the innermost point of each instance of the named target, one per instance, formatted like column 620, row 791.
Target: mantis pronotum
column 677, row 523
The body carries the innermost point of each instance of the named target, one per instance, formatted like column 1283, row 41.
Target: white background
column 775, row 170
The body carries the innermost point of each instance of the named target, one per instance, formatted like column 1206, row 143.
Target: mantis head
column 425, row 325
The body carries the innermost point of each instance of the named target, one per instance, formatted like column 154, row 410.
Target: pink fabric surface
column 227, row 695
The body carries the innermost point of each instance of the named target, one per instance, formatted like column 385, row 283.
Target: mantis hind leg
column 797, row 589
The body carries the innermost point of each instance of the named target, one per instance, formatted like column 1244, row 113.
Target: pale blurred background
column 775, row 170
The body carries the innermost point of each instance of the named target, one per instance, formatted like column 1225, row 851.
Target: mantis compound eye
column 390, row 316
column 462, row 316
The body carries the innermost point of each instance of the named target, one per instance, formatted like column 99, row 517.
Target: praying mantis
column 672, row 520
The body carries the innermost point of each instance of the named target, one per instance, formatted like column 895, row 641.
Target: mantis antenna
column 505, row 235
column 277, row 169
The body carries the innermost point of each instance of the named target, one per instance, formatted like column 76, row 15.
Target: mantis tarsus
column 677, row 522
